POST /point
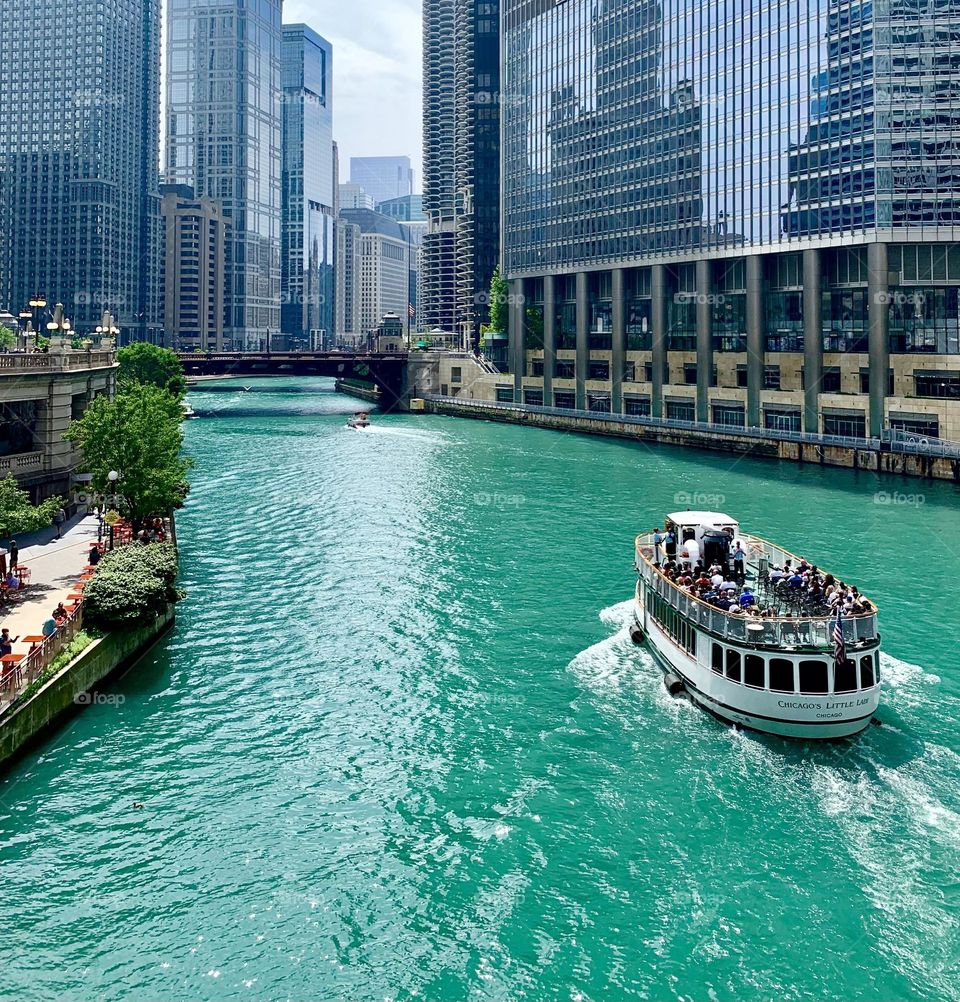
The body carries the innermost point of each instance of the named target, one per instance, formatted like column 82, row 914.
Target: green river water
column 400, row 746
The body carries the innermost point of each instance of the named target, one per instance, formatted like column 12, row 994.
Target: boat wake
column 892, row 794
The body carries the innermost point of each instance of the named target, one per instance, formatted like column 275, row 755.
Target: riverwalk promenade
column 55, row 565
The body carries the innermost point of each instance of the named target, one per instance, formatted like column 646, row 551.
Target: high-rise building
column 377, row 256
column 461, row 153
column 437, row 279
column 354, row 196
column 308, row 244
column 382, row 177
column 195, row 235
column 79, row 138
column 223, row 140
column 739, row 215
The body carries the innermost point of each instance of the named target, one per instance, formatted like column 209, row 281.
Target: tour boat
column 790, row 672
column 359, row 420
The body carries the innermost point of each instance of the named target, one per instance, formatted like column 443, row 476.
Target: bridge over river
column 386, row 370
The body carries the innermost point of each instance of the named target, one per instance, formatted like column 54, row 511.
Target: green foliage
column 7, row 338
column 139, row 434
column 533, row 337
column 498, row 301
column 17, row 515
column 141, row 362
column 132, row 586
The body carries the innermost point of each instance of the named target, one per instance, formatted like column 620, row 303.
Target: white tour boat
column 785, row 671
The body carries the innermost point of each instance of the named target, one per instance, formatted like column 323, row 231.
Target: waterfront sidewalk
column 55, row 564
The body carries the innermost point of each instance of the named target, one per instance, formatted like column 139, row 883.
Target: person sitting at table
column 12, row 581
column 49, row 627
column 60, row 614
column 6, row 642
column 93, row 557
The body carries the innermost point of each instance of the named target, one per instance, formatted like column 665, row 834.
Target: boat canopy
column 703, row 520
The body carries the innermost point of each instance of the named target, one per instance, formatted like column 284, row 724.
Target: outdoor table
column 11, row 665
column 75, row 596
column 34, row 638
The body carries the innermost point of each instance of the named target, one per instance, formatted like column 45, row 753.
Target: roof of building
column 370, row 221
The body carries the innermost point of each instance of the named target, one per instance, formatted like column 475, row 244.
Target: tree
column 534, row 333
column 498, row 302
column 17, row 515
column 142, row 362
column 8, row 339
column 139, row 434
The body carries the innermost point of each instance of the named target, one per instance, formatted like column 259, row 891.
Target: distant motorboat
column 188, row 411
column 359, row 420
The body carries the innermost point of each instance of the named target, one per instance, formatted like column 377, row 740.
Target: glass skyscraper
column 79, row 138
column 308, row 238
column 382, row 177
column 223, row 140
column 744, row 213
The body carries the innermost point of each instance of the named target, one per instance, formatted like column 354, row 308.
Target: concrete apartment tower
column 79, row 139
column 223, row 134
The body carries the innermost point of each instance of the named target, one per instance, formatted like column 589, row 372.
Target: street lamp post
column 112, row 477
column 38, row 303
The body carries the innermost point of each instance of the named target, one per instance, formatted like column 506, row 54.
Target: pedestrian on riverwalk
column 58, row 520
column 3, row 562
column 93, row 557
column 14, row 556
column 6, row 642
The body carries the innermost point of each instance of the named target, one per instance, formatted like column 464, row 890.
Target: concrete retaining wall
column 58, row 697
column 855, row 459
column 370, row 395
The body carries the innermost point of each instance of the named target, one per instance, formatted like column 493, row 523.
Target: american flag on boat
column 839, row 647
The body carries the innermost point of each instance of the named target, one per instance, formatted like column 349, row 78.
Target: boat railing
column 776, row 631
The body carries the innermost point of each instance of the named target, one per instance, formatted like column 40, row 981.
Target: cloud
column 377, row 65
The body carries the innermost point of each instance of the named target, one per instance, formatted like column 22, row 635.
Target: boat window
column 733, row 666
column 753, row 671
column 813, row 676
column 867, row 680
column 781, row 675
column 845, row 679
column 717, row 664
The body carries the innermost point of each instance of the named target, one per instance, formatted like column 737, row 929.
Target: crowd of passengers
column 801, row 587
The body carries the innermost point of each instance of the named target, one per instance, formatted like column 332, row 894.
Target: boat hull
column 787, row 715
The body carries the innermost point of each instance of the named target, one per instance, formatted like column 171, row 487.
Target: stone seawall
column 64, row 693
column 876, row 461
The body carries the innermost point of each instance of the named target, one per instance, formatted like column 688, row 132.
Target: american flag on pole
column 411, row 312
column 839, row 647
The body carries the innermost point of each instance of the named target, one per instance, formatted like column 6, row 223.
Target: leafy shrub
column 132, row 586
column 74, row 649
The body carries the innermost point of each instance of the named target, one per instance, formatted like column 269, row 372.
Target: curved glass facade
column 640, row 130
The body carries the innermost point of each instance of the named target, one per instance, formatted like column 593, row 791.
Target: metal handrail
column 761, row 434
column 856, row 628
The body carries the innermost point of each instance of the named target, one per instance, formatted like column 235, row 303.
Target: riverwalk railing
column 775, row 631
column 895, row 441
column 24, row 363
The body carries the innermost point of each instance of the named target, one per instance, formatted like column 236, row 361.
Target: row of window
column 811, row 676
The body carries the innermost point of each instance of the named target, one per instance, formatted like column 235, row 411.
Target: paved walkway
column 55, row 565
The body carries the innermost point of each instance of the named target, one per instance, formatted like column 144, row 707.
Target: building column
column 618, row 355
column 704, row 333
column 755, row 337
column 658, row 357
column 516, row 352
column 812, row 341
column 878, row 344
column 583, row 342
column 549, row 338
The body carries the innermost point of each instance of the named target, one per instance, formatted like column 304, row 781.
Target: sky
column 376, row 74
